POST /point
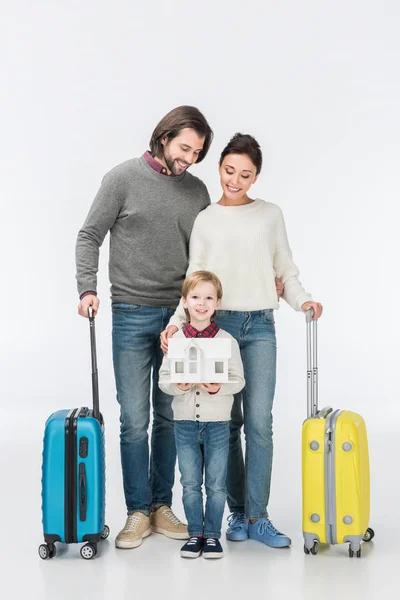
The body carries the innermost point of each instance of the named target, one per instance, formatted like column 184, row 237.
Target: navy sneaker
column 237, row 530
column 263, row 531
column 193, row 547
column 212, row 548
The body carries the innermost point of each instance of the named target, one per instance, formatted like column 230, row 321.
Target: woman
column 244, row 242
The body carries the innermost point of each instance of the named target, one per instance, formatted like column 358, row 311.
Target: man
column 149, row 205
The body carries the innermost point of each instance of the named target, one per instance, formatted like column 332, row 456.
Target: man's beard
column 172, row 165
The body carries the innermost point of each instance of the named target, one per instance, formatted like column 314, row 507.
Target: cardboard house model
column 194, row 360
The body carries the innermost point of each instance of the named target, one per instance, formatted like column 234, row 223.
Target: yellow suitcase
column 335, row 468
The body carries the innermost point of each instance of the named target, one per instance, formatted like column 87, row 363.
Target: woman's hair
column 195, row 279
column 177, row 119
column 243, row 143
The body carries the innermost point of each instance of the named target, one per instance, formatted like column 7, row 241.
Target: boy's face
column 201, row 302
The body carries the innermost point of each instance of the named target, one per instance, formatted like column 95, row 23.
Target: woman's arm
column 294, row 293
column 197, row 262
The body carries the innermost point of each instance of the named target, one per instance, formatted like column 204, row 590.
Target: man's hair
column 195, row 279
column 243, row 143
column 177, row 119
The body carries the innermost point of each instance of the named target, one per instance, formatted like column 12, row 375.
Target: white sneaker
column 136, row 528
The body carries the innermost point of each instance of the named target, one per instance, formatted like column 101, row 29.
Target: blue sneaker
column 263, row 531
column 237, row 530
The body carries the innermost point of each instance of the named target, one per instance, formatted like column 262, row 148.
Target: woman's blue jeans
column 249, row 480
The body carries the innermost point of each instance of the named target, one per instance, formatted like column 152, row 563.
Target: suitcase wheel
column 106, row 532
column 368, row 535
column 88, row 551
column 354, row 552
column 313, row 550
column 47, row 551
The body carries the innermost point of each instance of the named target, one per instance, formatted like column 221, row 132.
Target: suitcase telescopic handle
column 312, row 365
column 95, row 378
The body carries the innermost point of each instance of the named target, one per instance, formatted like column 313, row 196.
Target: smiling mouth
column 233, row 189
column 182, row 165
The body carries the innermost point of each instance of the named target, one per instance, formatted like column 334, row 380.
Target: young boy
column 202, row 413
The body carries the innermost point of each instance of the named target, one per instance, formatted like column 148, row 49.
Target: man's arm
column 102, row 216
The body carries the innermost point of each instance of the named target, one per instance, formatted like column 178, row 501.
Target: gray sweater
column 150, row 217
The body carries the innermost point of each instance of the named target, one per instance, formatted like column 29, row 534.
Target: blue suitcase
column 73, row 474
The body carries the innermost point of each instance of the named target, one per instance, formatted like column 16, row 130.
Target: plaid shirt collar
column 209, row 332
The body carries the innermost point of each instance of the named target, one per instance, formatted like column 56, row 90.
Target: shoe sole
column 236, row 539
column 135, row 544
column 185, row 554
column 171, row 534
column 213, row 554
column 271, row 545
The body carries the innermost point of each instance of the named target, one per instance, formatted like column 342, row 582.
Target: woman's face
column 237, row 175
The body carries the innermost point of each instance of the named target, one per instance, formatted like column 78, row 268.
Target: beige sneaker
column 164, row 521
column 136, row 528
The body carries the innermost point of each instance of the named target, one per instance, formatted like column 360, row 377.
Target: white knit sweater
column 247, row 247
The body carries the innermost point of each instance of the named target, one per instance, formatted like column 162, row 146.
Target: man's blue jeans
column 203, row 446
column 248, row 483
column 137, row 359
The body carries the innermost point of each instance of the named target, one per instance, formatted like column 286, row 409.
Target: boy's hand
column 164, row 335
column 184, row 386
column 280, row 288
column 211, row 388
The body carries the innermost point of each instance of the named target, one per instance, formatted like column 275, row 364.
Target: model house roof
column 178, row 348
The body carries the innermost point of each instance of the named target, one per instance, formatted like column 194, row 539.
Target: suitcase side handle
column 82, row 492
column 312, row 365
column 95, row 377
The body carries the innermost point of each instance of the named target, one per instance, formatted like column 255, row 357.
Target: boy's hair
column 195, row 279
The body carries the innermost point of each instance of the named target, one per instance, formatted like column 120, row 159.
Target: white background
column 83, row 85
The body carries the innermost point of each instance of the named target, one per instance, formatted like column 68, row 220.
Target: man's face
column 182, row 151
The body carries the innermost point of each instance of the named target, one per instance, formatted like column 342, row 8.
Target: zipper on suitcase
column 70, row 476
column 330, row 480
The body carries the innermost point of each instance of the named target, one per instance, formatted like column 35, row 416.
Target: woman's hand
column 184, row 386
column 164, row 335
column 211, row 388
column 316, row 307
column 280, row 288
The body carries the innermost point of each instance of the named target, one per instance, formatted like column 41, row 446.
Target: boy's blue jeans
column 203, row 446
column 137, row 358
column 248, row 483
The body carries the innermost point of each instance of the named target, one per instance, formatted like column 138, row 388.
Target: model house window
column 179, row 367
column 219, row 367
column 192, row 360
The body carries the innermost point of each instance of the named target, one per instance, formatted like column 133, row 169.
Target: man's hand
column 280, row 288
column 164, row 335
column 89, row 300
column 211, row 388
column 184, row 386
column 316, row 306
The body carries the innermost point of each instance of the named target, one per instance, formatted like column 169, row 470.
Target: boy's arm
column 165, row 373
column 235, row 373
